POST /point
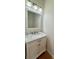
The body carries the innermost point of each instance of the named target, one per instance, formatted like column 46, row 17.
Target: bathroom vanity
column 35, row 45
column 35, row 39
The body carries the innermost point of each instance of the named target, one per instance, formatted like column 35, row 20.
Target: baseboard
column 50, row 53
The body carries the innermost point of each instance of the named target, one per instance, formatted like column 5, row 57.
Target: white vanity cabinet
column 36, row 48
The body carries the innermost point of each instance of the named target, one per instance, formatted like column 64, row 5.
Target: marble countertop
column 32, row 37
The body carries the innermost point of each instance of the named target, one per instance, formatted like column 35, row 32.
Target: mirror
column 34, row 22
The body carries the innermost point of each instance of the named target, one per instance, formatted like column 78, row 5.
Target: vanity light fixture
column 29, row 4
column 34, row 6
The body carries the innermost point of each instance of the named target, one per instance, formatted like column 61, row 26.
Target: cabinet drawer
column 39, row 40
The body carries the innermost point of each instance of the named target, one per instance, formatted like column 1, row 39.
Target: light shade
column 29, row 4
column 35, row 7
column 40, row 9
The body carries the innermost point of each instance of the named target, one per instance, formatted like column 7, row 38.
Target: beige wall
column 49, row 24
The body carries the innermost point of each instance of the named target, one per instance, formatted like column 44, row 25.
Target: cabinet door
column 33, row 50
column 43, row 44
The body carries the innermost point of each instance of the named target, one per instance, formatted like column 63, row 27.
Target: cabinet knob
column 38, row 44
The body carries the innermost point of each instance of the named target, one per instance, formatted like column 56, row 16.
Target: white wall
column 49, row 24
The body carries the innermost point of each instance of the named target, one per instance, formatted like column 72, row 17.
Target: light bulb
column 40, row 9
column 28, row 3
column 35, row 7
